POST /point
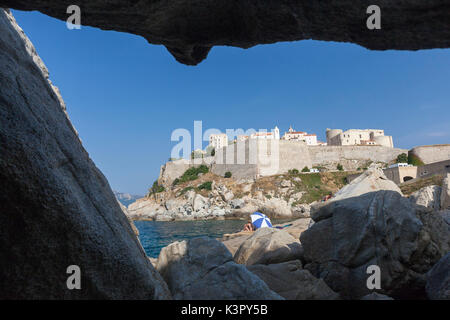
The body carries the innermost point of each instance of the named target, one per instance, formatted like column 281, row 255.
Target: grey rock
column 429, row 197
column 244, row 24
column 203, row 268
column 376, row 296
column 438, row 280
column 369, row 181
column 286, row 184
column 290, row 281
column 268, row 245
column 199, row 202
column 57, row 207
column 237, row 203
column 445, row 195
column 379, row 228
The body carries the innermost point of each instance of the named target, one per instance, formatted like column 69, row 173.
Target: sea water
column 155, row 235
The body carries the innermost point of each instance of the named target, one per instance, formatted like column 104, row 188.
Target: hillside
column 205, row 195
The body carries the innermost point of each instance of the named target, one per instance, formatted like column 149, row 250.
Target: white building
column 309, row 139
column 218, row 141
column 275, row 134
column 355, row 137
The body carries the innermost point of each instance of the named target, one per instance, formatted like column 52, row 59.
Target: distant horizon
column 125, row 97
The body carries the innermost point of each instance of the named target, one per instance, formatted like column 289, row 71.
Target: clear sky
column 125, row 96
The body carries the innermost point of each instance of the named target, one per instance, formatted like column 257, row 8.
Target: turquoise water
column 155, row 235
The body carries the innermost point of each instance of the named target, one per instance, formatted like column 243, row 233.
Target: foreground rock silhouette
column 189, row 29
column 57, row 207
column 202, row 268
column 378, row 228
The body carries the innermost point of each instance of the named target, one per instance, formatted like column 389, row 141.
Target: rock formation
column 379, row 228
column 445, row 195
column 203, row 268
column 268, row 246
column 57, row 207
column 219, row 203
column 429, row 197
column 438, row 280
column 189, row 29
column 369, row 181
column 290, row 281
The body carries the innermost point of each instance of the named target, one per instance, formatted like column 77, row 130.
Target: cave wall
column 56, row 208
column 190, row 28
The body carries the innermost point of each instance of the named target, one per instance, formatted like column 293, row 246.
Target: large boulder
column 268, row 245
column 369, row 181
column 378, row 228
column 429, row 197
column 290, row 281
column 58, row 209
column 445, row 195
column 438, row 280
column 202, row 268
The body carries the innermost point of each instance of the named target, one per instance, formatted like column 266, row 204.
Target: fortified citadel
column 253, row 156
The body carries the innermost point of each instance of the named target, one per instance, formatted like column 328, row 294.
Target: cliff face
column 57, row 207
column 189, row 29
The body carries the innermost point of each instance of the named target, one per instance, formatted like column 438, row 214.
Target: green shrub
column 205, row 186
column 402, row 158
column 186, row 190
column 191, row 174
column 415, row 160
column 305, row 169
column 227, row 174
column 340, row 167
column 293, row 171
column 156, row 188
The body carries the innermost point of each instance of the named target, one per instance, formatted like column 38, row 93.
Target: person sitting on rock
column 249, row 226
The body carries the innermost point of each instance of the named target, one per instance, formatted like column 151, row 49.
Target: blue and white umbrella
column 260, row 220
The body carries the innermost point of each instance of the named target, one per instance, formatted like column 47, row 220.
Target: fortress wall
column 174, row 169
column 399, row 174
column 323, row 154
column 239, row 158
column 441, row 167
column 262, row 158
column 293, row 155
column 432, row 153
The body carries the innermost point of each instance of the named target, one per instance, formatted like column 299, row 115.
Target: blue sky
column 125, row 96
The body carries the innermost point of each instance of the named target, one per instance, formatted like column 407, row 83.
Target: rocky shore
column 327, row 257
column 287, row 196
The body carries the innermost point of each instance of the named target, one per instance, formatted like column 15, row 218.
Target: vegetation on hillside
column 402, row 158
column 155, row 188
column 408, row 188
column 313, row 185
column 191, row 174
column 415, row 160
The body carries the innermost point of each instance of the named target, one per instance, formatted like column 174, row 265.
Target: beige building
column 273, row 135
column 292, row 135
column 218, row 141
column 358, row 137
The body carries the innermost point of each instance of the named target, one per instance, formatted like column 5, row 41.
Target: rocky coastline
column 326, row 256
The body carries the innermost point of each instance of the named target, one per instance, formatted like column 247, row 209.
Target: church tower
column 276, row 133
